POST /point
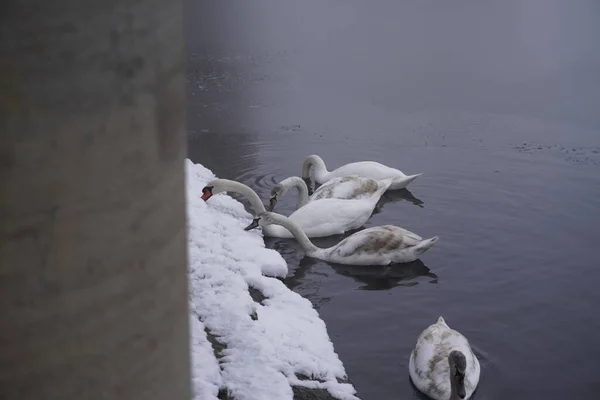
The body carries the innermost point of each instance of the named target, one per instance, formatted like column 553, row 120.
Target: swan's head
column 262, row 219
column 276, row 192
column 458, row 366
column 207, row 192
column 213, row 187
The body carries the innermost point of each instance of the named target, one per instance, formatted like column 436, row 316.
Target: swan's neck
column 319, row 168
column 298, row 183
column 453, row 391
column 247, row 192
column 453, row 385
column 298, row 233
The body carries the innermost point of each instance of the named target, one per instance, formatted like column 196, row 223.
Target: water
column 496, row 102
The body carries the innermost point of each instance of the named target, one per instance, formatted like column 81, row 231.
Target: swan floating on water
column 348, row 187
column 442, row 364
column 325, row 217
column 366, row 169
column 380, row 245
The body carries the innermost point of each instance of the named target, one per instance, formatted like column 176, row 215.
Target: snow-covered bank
column 269, row 343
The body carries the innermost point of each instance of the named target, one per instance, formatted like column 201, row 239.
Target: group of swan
column 442, row 364
column 342, row 204
column 326, row 217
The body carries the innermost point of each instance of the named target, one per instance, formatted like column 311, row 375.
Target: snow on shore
column 267, row 343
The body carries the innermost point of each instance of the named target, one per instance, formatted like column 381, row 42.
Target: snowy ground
column 268, row 343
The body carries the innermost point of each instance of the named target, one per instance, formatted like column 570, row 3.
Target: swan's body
column 380, row 245
column 431, row 363
column 366, row 169
column 325, row 217
column 351, row 187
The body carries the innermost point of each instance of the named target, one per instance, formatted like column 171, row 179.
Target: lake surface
column 496, row 102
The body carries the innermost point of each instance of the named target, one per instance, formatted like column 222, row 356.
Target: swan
column 442, row 364
column 347, row 187
column 325, row 217
column 366, row 169
column 379, row 245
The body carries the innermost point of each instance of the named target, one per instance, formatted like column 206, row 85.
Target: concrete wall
column 93, row 289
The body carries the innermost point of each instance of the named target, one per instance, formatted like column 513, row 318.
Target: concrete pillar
column 93, row 283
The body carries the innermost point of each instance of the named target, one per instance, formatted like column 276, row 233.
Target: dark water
column 497, row 102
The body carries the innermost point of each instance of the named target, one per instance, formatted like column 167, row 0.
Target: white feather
column 366, row 169
column 380, row 245
column 429, row 368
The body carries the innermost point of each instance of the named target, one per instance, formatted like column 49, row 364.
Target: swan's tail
column 425, row 245
column 402, row 183
column 441, row 321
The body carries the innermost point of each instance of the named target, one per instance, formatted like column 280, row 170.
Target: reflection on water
column 386, row 277
column 496, row 102
column 306, row 273
column 394, row 196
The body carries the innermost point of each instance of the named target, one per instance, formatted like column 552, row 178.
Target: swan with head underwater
column 347, row 187
column 325, row 217
column 442, row 364
column 366, row 169
column 379, row 245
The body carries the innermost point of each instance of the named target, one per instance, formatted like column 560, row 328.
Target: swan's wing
column 366, row 169
column 327, row 190
column 473, row 373
column 408, row 238
column 411, row 238
column 379, row 240
column 347, row 187
column 331, row 215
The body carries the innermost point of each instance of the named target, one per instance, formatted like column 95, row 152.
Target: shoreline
column 252, row 337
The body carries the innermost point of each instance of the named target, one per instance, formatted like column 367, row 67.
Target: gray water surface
column 497, row 102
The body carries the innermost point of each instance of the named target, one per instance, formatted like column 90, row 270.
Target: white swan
column 325, row 217
column 366, row 169
column 347, row 187
column 442, row 364
column 380, row 245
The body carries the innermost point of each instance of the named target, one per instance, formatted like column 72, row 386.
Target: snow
column 286, row 337
column 206, row 376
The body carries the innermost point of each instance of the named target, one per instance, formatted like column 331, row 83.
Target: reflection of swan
column 395, row 196
column 307, row 281
column 443, row 365
column 347, row 187
column 385, row 277
column 303, row 278
column 380, row 245
column 399, row 195
column 320, row 218
column 366, row 169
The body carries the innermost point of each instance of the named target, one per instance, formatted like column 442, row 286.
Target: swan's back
column 326, row 217
column 377, row 245
column 366, row 169
column 347, row 187
column 429, row 368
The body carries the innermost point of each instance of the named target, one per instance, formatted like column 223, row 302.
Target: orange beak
column 206, row 195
